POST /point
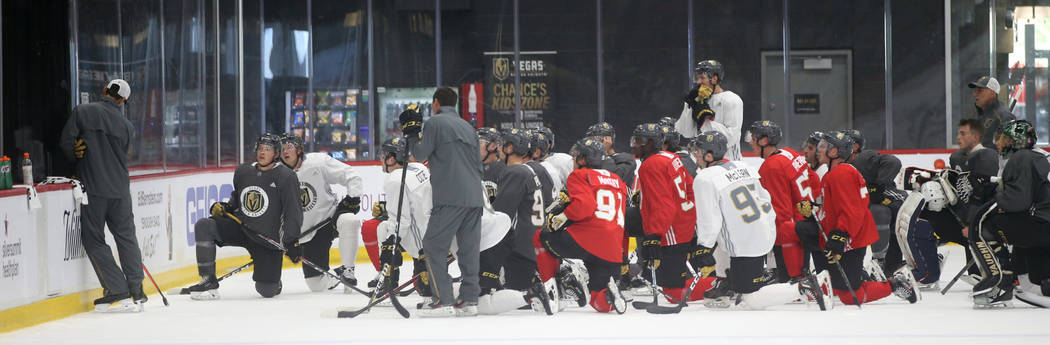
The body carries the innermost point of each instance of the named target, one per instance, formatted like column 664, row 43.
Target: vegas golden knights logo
column 254, row 201
column 307, row 196
column 500, row 68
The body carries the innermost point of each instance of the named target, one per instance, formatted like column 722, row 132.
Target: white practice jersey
column 317, row 174
column 733, row 209
column 559, row 166
column 687, row 127
column 416, row 206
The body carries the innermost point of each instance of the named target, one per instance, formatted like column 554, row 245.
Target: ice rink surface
column 242, row 317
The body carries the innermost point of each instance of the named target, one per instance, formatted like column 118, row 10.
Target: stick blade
column 660, row 309
column 397, row 305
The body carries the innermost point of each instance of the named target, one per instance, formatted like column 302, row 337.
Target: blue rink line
column 706, row 338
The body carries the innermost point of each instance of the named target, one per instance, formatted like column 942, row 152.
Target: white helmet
column 933, row 193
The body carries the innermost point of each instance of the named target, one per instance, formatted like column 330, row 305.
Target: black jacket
column 992, row 117
column 1024, row 186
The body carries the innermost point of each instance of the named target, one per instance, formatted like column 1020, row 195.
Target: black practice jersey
column 268, row 202
column 519, row 197
column 546, row 183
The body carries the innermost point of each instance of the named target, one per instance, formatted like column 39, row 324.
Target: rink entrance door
column 821, row 91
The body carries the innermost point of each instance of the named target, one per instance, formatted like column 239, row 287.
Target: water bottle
column 27, row 170
column 5, row 173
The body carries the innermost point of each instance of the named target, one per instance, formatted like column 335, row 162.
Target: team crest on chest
column 254, row 201
column 307, row 196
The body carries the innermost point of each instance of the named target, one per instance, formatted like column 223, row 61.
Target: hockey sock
column 206, row 258
column 368, row 234
column 793, row 259
column 698, row 292
column 868, row 292
column 348, row 227
column 546, row 263
column 599, row 302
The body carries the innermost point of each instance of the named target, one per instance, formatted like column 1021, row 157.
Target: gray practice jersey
column 493, row 170
column 268, row 202
column 104, row 168
column 519, row 196
column 451, row 148
column 1024, row 186
column 623, row 165
column 546, row 183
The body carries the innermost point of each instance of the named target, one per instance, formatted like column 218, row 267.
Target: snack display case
column 332, row 126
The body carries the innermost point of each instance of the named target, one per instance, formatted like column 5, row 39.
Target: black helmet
column 814, row 138
column 272, row 140
column 840, row 140
column 711, row 141
column 490, row 135
column 601, row 129
column 293, row 139
column 1022, row 136
column 649, row 131
column 667, row 121
column 520, row 138
column 395, row 147
column 764, row 128
column 711, row 68
column 857, row 137
column 550, row 138
column 591, row 150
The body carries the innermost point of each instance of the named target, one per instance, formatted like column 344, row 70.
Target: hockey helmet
column 395, row 147
column 857, row 137
column 490, row 135
column 591, row 150
column 764, row 128
column 1022, row 136
column 814, row 138
column 711, row 68
column 841, row 141
column 667, row 121
column 269, row 139
column 550, row 138
column 520, row 138
column 711, row 141
column 648, row 131
column 601, row 129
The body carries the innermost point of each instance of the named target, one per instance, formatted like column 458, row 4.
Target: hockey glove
column 835, row 245
column 348, row 205
column 218, row 209
column 808, row 232
column 379, row 211
column 490, row 190
column 649, row 249
column 557, row 222
column 293, row 251
column 690, row 97
column 389, row 252
column 79, row 148
column 703, row 260
column 411, row 122
column 636, row 198
column 805, row 208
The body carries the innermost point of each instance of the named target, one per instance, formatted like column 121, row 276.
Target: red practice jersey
column 597, row 207
column 846, row 206
column 667, row 199
column 789, row 181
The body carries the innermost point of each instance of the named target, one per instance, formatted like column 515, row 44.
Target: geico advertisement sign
column 198, row 192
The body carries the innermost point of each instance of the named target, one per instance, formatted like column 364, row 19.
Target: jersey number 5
column 679, row 184
column 803, row 187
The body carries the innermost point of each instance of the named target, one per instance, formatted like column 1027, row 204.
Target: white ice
column 242, row 317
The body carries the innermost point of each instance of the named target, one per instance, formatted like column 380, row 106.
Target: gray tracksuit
column 451, row 147
column 104, row 172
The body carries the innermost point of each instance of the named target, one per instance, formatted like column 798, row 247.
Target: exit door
column 821, row 95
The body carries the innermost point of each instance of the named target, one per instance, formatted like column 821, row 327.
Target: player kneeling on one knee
column 264, row 206
column 586, row 222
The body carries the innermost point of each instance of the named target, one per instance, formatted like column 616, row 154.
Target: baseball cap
column 986, row 82
column 124, row 89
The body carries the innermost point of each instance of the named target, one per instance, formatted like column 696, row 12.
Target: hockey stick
column 328, row 272
column 656, row 292
column 389, row 294
column 384, row 272
column 162, row 298
column 186, row 290
column 397, row 305
column 969, row 263
column 660, row 309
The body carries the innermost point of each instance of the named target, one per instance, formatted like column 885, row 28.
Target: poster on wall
column 537, row 86
column 151, row 202
column 18, row 253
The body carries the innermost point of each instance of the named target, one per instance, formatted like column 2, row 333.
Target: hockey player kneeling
column 317, row 172
column 264, row 208
column 848, row 228
column 586, row 222
column 733, row 209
